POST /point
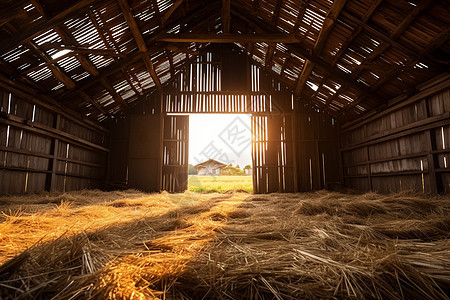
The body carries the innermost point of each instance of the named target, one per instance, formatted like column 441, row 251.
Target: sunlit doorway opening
column 220, row 158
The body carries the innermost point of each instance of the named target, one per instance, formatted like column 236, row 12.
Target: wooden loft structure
column 345, row 91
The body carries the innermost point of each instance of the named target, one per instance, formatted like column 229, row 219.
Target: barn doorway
column 220, row 156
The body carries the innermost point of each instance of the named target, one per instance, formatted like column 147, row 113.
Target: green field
column 220, row 184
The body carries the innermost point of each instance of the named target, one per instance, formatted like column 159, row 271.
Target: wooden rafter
column 67, row 39
column 276, row 12
column 327, row 26
column 170, row 11
column 410, row 18
column 388, row 40
column 227, row 38
column 94, row 103
column 226, row 16
column 15, row 11
column 57, row 72
column 113, row 92
column 442, row 38
column 303, row 78
column 170, row 59
column 255, row 6
column 301, row 12
column 157, row 12
column 269, row 55
column 22, row 37
column 14, row 73
column 130, row 83
column 136, row 56
column 319, row 62
column 84, row 61
column 126, row 11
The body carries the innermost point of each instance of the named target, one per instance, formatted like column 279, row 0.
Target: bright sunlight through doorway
column 220, row 153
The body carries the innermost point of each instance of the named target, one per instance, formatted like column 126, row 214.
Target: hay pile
column 130, row 245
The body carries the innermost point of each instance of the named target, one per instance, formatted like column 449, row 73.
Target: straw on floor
column 131, row 245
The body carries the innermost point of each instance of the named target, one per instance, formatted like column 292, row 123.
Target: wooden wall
column 316, row 144
column 403, row 147
column 47, row 149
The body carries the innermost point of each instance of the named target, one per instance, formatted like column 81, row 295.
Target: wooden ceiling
column 348, row 57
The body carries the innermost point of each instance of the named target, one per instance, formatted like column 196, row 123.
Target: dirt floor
column 131, row 245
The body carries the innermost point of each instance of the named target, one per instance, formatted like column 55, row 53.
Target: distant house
column 210, row 167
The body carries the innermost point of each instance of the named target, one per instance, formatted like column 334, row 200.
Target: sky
column 223, row 137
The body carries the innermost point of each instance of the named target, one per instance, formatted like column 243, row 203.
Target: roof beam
column 157, row 12
column 113, row 92
column 128, row 79
column 435, row 43
column 84, row 61
column 67, row 39
column 348, row 41
column 126, row 11
column 13, row 12
column 227, row 38
column 304, row 76
column 338, row 74
column 410, row 18
column 27, row 35
column 94, row 103
column 276, row 12
column 60, row 75
column 328, row 25
column 387, row 39
column 226, row 16
column 255, row 6
column 170, row 11
column 136, row 56
column 269, row 54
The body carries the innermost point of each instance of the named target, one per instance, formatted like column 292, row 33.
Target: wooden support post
column 431, row 158
column 161, row 142
column 316, row 168
column 53, row 186
column 341, row 165
column 369, row 172
column 294, row 149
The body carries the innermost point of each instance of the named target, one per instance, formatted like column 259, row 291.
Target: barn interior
column 350, row 119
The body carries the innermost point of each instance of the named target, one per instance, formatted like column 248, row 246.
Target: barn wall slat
column 38, row 153
column 404, row 147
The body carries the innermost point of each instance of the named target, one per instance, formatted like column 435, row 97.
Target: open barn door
column 144, row 153
column 272, row 155
column 175, row 154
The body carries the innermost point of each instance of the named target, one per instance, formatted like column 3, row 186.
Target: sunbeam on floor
column 132, row 245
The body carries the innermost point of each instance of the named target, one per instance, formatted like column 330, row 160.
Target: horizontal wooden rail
column 46, row 102
column 24, row 170
column 421, row 95
column 400, row 157
column 79, row 176
column 429, row 123
column 387, row 174
column 56, row 134
column 26, row 152
column 49, row 156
